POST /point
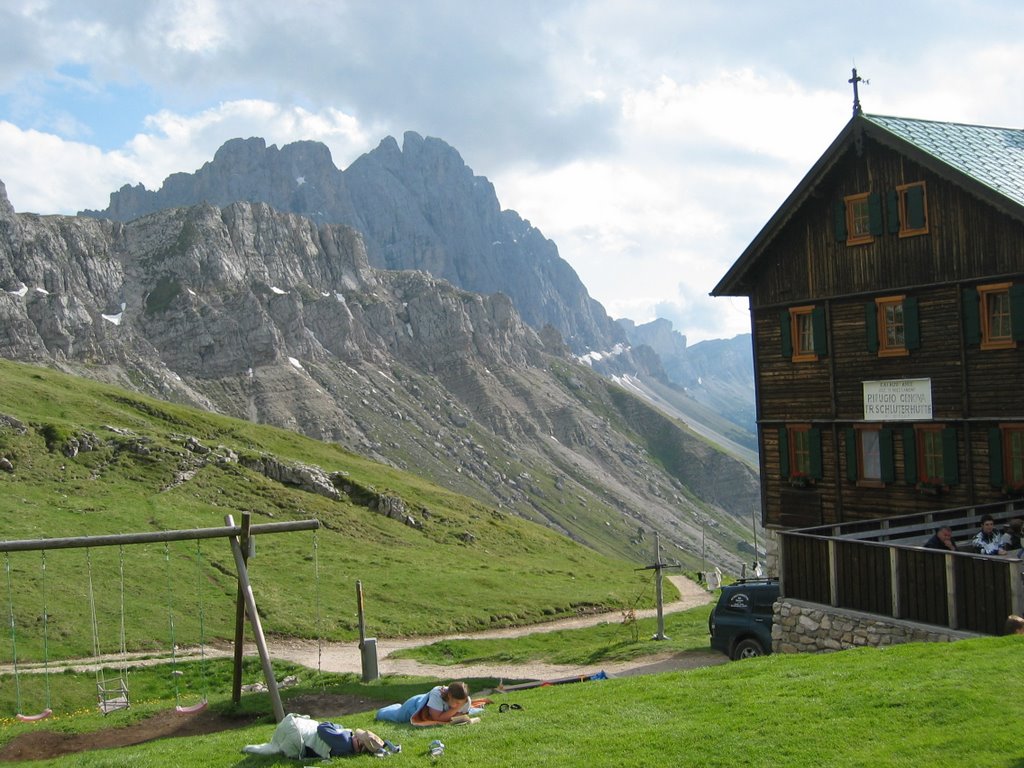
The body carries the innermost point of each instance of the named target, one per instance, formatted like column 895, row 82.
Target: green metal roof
column 991, row 156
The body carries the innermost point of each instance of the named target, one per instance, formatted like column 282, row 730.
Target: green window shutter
column 995, row 457
column 851, row 455
column 885, row 454
column 875, row 224
column 839, row 221
column 818, row 324
column 1017, row 312
column 892, row 211
column 910, row 455
column 915, row 207
column 785, row 327
column 972, row 316
column 784, row 453
column 871, row 326
column 814, row 438
column 911, row 324
column 950, row 460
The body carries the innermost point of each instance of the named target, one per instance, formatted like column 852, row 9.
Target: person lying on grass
column 439, row 705
column 298, row 736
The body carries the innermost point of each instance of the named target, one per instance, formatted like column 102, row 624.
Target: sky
column 651, row 140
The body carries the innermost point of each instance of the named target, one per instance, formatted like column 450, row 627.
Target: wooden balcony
column 881, row 567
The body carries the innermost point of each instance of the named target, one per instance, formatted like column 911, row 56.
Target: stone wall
column 802, row 627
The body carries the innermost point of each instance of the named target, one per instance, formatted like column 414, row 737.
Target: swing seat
column 111, row 698
column 33, row 718
column 197, row 707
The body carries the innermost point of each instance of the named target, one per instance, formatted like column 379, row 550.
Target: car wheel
column 747, row 649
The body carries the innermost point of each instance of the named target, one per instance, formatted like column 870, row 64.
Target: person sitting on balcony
column 1012, row 535
column 941, row 539
column 987, row 541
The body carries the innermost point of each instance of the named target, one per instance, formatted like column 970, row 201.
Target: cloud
column 650, row 140
column 46, row 173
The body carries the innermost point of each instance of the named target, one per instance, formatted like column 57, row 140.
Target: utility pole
column 658, row 567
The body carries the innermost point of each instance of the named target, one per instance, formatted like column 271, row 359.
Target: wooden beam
column 257, row 627
column 145, row 538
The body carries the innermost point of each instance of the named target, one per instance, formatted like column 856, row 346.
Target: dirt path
column 345, row 657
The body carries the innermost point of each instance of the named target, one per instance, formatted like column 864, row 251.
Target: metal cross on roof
column 856, row 97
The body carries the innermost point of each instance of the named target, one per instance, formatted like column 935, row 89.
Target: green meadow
column 468, row 567
column 909, row 705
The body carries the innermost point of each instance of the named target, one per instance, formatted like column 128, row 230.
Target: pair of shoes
column 436, row 748
column 391, row 747
column 507, row 707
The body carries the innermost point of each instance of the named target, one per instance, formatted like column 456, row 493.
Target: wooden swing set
column 112, row 694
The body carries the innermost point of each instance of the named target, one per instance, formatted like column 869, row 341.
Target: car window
column 764, row 600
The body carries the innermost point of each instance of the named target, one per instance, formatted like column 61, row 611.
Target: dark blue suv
column 741, row 622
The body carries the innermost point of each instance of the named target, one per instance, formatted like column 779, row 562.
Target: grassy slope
column 415, row 581
column 910, row 705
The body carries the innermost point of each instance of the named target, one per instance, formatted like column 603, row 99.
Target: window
column 800, row 454
column 858, row 219
column 994, row 305
column 994, row 315
column 931, row 455
column 1013, row 456
column 913, row 209
column 803, row 333
column 800, row 451
column 892, row 325
column 869, row 457
column 1006, row 458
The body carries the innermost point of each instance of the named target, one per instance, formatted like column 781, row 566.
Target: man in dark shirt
column 942, row 539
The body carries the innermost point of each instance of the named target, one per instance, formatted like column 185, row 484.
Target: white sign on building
column 898, row 400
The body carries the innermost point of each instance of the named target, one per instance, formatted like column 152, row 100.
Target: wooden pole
column 658, row 567
column 187, row 534
column 360, row 613
column 257, row 628
column 657, row 588
column 236, row 676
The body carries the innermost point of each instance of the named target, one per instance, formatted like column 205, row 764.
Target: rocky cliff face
column 718, row 373
column 417, row 207
column 275, row 318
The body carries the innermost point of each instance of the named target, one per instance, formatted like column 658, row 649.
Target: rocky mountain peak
column 417, row 207
column 6, row 209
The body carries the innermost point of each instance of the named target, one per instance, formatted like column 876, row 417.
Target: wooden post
column 257, row 628
column 1016, row 591
column 360, row 613
column 236, row 677
column 894, row 578
column 833, row 574
column 951, row 596
column 657, row 568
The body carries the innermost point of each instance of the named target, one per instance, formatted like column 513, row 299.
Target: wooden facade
column 891, row 272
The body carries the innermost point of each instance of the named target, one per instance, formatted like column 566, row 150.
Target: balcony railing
column 879, row 566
